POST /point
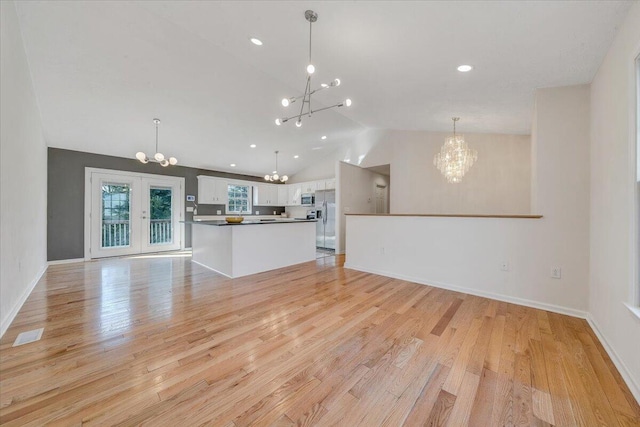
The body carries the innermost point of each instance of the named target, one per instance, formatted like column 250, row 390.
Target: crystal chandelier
column 455, row 157
column 158, row 157
column 305, row 107
column 275, row 176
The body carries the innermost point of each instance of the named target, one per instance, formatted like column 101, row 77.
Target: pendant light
column 455, row 158
column 275, row 177
column 158, row 157
column 305, row 108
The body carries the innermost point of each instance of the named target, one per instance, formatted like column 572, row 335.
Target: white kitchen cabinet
column 308, row 187
column 295, row 191
column 212, row 191
column 206, row 190
column 222, row 192
column 283, row 195
column 265, row 195
column 320, row 185
column 330, row 184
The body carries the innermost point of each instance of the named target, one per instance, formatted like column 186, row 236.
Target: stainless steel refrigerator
column 326, row 216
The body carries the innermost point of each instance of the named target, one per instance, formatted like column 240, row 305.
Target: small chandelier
column 275, row 176
column 455, row 157
column 312, row 17
column 158, row 157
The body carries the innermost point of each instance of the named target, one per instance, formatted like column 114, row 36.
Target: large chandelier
column 158, row 157
column 305, row 107
column 275, row 177
column 455, row 157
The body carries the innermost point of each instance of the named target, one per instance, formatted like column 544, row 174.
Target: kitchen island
column 253, row 246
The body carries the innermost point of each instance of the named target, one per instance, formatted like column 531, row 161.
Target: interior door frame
column 88, row 171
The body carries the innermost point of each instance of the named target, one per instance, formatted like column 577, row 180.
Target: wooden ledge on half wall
column 452, row 215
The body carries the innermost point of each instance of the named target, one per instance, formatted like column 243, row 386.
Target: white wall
column 467, row 253
column 23, row 187
column 613, row 254
column 355, row 194
column 325, row 168
column 499, row 183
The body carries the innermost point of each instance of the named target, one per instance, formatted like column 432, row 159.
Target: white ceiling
column 103, row 70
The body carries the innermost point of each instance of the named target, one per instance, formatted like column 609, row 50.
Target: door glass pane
column 115, row 215
column 160, row 230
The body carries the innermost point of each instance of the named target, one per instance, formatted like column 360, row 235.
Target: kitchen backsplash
column 213, row 210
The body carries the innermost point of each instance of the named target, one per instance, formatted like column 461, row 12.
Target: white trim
column 634, row 99
column 65, row 261
column 634, row 310
column 6, row 322
column 622, row 368
column 87, row 213
column 506, row 298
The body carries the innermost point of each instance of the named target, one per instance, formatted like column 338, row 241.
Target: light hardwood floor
column 161, row 341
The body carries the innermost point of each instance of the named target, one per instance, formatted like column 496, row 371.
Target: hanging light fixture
column 275, row 177
column 305, row 108
column 158, row 157
column 455, row 157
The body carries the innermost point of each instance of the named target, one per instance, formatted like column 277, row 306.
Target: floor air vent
column 27, row 337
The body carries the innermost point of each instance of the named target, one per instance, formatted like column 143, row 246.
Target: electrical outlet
column 504, row 266
column 189, row 208
column 257, row 212
column 191, row 198
column 218, row 212
column 556, row 273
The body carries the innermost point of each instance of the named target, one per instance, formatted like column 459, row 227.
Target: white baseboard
column 506, row 298
column 212, row 269
column 65, row 261
column 6, row 322
column 622, row 368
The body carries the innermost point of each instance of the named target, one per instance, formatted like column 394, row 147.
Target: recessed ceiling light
column 465, row 68
column 317, row 148
column 256, row 41
column 296, row 156
column 323, row 137
column 253, row 146
column 233, row 165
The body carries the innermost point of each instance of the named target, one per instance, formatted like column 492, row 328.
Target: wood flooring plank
column 483, row 403
column 441, row 409
column 464, row 401
column 164, row 342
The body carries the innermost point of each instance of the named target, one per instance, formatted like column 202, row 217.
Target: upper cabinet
column 212, row 191
column 215, row 191
column 265, row 195
column 330, row 184
column 308, row 187
column 295, row 191
column 283, row 195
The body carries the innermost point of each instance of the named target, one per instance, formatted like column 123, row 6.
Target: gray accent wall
column 65, row 195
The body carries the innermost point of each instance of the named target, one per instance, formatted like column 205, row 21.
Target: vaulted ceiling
column 102, row 70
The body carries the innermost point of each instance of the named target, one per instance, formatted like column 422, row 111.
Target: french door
column 133, row 213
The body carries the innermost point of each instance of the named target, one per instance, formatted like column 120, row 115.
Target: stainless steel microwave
column 307, row 199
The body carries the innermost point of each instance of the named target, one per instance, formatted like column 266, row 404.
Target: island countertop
column 221, row 223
